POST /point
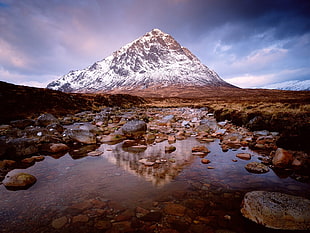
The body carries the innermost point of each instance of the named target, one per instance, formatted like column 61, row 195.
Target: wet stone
column 200, row 149
column 169, row 149
column 245, row 156
column 19, row 181
column 205, row 161
column 256, row 167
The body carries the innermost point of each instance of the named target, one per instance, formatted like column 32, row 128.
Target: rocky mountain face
column 153, row 60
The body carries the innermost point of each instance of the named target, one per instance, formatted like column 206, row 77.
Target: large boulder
column 134, row 128
column 282, row 158
column 47, row 119
column 21, row 147
column 19, row 181
column 277, row 210
column 82, row 132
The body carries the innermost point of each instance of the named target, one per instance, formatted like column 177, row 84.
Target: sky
column 249, row 43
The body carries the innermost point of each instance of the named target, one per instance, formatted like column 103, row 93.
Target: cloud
column 49, row 38
column 253, row 81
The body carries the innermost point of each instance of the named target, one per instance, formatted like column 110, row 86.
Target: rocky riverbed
column 140, row 170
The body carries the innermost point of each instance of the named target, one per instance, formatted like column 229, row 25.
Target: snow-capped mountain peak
column 154, row 59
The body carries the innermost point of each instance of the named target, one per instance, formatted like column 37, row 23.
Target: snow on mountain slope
column 151, row 60
column 294, row 85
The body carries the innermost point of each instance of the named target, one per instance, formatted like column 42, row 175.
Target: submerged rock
column 19, row 181
column 256, row 167
column 277, row 210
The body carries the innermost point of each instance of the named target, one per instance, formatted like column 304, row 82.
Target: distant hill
column 294, row 85
column 19, row 102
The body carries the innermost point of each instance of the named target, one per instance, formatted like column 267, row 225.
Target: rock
column 55, row 128
column 19, row 181
column 103, row 225
column 220, row 131
column 166, row 119
column 152, row 217
column 80, row 218
column 205, row 161
column 146, row 162
column 29, row 160
column 59, row 222
column 171, row 139
column 22, row 147
column 134, row 128
column 277, row 210
column 261, row 133
column 95, row 153
column 245, row 156
column 7, row 163
column 256, row 167
column 185, row 124
column 282, row 158
column 47, row 119
column 115, row 138
column 200, row 149
column 297, row 163
column 55, row 147
column 80, row 135
column 175, row 209
column 169, row 149
column 21, row 124
column 140, row 212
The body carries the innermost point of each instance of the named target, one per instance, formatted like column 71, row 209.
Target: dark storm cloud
column 46, row 39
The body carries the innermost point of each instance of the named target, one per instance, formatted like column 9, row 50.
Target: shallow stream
column 117, row 177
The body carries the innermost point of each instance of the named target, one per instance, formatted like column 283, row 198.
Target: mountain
column 153, row 61
column 294, row 85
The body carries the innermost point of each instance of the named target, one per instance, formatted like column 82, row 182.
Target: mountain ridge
column 291, row 85
column 154, row 59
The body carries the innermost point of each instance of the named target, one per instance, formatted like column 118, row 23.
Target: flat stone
column 256, row 167
column 200, row 149
column 277, row 210
column 95, row 153
column 245, row 156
